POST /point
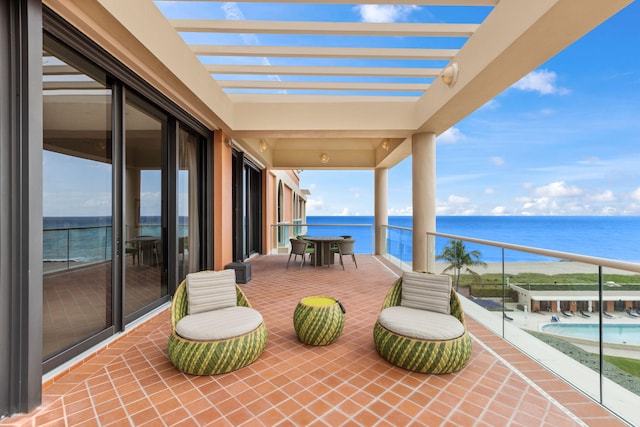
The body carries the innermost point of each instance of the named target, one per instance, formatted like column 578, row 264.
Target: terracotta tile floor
column 131, row 382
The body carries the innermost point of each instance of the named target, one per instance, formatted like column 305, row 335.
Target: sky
column 564, row 140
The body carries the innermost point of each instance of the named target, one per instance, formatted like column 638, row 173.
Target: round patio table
column 318, row 320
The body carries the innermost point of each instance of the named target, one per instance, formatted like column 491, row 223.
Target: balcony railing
column 361, row 233
column 65, row 248
column 71, row 247
column 574, row 314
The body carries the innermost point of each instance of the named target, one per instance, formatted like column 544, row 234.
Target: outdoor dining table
column 146, row 244
column 322, row 254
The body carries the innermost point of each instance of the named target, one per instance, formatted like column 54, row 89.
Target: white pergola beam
column 325, row 52
column 325, row 28
column 324, row 71
column 341, row 86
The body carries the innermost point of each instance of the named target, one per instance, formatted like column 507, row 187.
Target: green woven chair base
column 434, row 357
column 217, row 357
column 212, row 357
column 318, row 325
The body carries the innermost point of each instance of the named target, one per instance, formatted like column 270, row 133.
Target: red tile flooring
column 131, row 382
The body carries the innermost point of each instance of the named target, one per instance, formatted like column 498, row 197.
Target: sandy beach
column 544, row 267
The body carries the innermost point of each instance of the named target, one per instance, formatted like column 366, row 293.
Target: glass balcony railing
column 363, row 234
column 71, row 247
column 579, row 316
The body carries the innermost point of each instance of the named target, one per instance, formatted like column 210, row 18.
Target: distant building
column 615, row 299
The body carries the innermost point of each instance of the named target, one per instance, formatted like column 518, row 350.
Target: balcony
column 131, row 382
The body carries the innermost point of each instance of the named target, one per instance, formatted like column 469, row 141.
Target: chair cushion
column 426, row 291
column 211, row 290
column 421, row 324
column 219, row 324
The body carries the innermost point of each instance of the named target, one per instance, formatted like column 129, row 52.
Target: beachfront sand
column 545, row 267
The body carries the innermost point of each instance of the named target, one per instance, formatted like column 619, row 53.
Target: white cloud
column 406, row 211
column 542, row 205
column 499, row 210
column 451, row 136
column 384, row 12
column 457, row 199
column 635, row 194
column 523, row 199
column 590, row 161
column 314, row 205
column 347, row 212
column 605, row 196
column 557, row 189
column 498, row 161
column 541, row 81
column 489, row 191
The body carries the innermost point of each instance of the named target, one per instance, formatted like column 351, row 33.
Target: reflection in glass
column 77, row 194
column 188, row 217
column 144, row 220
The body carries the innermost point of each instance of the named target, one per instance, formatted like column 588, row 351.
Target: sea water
column 616, row 237
column 88, row 238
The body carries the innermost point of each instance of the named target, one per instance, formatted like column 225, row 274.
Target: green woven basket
column 318, row 320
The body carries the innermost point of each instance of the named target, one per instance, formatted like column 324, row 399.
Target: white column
column 381, row 209
column 423, row 151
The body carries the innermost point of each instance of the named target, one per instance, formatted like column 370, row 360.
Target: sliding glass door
column 247, row 207
column 126, row 179
column 145, row 225
column 77, row 200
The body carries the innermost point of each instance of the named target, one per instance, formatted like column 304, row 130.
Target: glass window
column 188, row 209
column 145, row 219
column 77, row 200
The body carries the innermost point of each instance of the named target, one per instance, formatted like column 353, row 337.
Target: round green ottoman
column 318, row 320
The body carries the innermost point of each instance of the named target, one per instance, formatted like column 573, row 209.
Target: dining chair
column 298, row 247
column 311, row 247
column 346, row 247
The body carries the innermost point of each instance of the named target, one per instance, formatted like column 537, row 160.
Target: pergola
column 332, row 94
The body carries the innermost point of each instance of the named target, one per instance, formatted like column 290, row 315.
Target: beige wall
column 222, row 203
column 269, row 208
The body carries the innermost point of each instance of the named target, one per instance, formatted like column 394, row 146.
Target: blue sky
column 565, row 140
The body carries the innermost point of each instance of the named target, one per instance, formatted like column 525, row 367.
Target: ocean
column 87, row 239
column 614, row 237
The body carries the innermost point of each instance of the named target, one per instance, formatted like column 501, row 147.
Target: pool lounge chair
column 637, row 311
column 565, row 314
column 583, row 314
column 507, row 317
column 630, row 313
column 607, row 315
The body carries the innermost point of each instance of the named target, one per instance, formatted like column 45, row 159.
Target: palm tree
column 455, row 253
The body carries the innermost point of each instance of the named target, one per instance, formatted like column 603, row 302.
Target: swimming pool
column 611, row 333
